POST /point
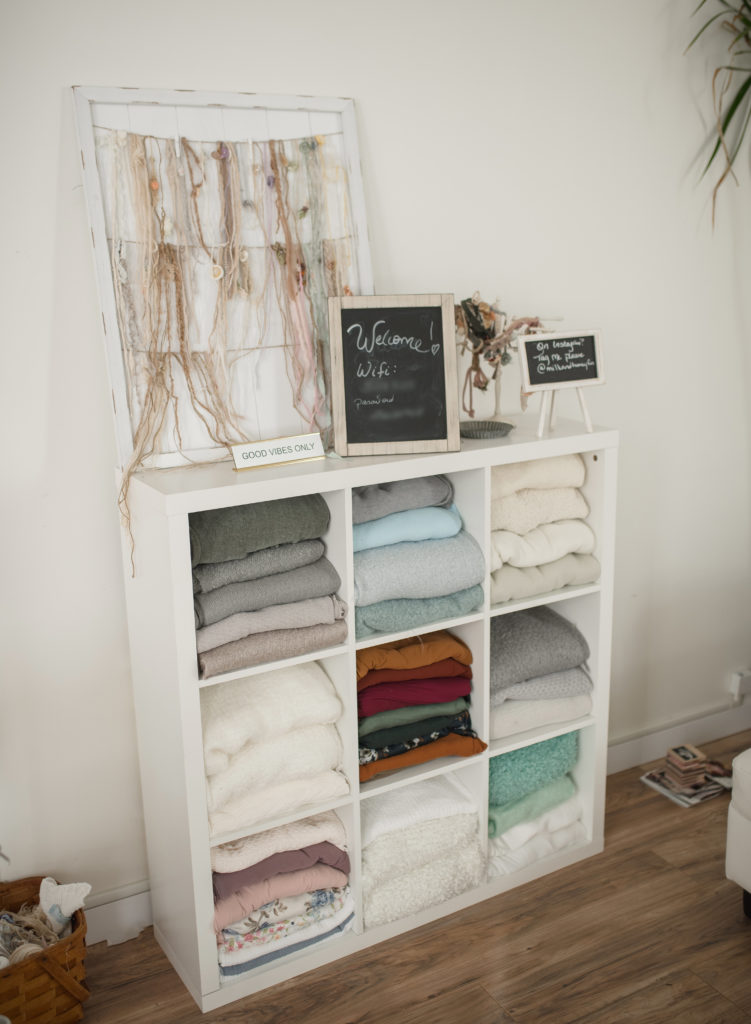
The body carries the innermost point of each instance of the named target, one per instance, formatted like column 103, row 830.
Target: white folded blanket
column 522, row 511
column 440, row 796
column 298, row 753
column 414, row 847
column 241, row 853
column 254, row 709
column 560, row 816
column 554, row 471
column 515, row 716
column 504, row 862
column 276, row 801
column 546, row 543
column 510, row 583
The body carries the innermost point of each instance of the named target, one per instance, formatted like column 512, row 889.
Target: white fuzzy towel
column 503, row 862
column 241, row 853
column 546, row 543
column 560, row 816
column 515, row 716
column 298, row 753
column 522, row 511
column 555, row 471
column 254, row 709
column 276, row 801
column 414, row 847
column 440, row 796
column 510, row 583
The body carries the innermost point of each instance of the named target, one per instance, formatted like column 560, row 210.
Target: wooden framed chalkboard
column 553, row 361
column 393, row 374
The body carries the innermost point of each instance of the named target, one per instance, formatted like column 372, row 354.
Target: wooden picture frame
column 393, row 374
column 552, row 361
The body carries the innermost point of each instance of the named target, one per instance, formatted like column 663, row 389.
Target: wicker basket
column 48, row 986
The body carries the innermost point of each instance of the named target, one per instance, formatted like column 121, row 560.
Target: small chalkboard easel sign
column 550, row 362
column 393, row 374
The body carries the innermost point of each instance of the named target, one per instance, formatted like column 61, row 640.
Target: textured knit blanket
column 265, row 562
column 377, row 500
column 510, row 583
column 314, row 611
column 533, row 642
column 555, row 471
column 518, row 772
column 412, row 525
column 412, row 612
column 273, row 645
column 571, row 682
column 522, row 511
column 545, row 543
column 241, row 853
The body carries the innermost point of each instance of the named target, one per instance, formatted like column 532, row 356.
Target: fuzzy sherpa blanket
column 273, row 645
column 314, row 611
column 510, row 583
column 261, row 563
column 545, row 543
column 377, row 500
column 414, row 524
column 524, row 510
column 533, row 642
column 441, row 796
column 518, row 772
column 414, row 847
column 519, row 715
column 241, row 853
column 554, row 471
column 413, row 612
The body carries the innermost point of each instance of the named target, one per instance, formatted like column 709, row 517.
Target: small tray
column 484, row 430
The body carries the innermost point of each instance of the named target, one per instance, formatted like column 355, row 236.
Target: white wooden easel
column 547, row 411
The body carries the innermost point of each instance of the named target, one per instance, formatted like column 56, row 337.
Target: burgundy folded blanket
column 386, row 696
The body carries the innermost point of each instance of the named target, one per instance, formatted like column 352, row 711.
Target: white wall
column 541, row 153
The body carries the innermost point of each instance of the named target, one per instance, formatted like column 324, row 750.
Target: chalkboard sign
column 551, row 361
column 393, row 369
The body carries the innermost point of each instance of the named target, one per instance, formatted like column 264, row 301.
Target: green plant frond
column 724, row 124
column 705, row 26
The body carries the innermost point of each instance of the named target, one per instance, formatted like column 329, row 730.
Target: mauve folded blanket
column 377, row 500
column 554, row 471
column 251, row 897
column 276, row 645
column 315, row 580
column 311, row 612
column 411, row 612
column 533, row 642
column 524, row 510
column 510, row 583
column 520, row 772
column 221, row 534
column 226, row 883
column 427, row 568
column 265, row 562
column 237, row 854
column 412, row 525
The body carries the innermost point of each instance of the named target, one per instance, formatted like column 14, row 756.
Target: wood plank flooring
column 650, row 931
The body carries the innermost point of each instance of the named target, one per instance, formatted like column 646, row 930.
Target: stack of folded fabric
column 280, row 891
column 539, row 538
column 420, row 846
column 413, row 703
column 537, row 671
column 413, row 562
column 263, row 587
column 534, row 808
column 270, row 745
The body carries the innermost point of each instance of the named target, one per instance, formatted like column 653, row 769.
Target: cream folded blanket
column 440, row 796
column 241, row 853
column 510, row 583
column 554, row 471
column 560, row 816
column 273, row 645
column 255, row 709
column 311, row 612
column 515, row 716
column 522, row 511
column 414, row 847
column 503, row 862
column 546, row 543
column 277, row 801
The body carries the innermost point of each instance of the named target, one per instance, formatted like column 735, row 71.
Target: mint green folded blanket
column 408, row 613
column 503, row 817
column 515, row 774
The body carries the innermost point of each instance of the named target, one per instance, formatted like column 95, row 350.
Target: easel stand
column 547, row 411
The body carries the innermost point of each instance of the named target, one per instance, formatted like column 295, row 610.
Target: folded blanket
column 276, row 801
column 426, row 726
column 403, row 716
column 524, row 510
column 560, row 816
column 503, row 862
column 441, row 796
column 554, row 471
column 315, row 580
column 545, row 543
column 281, row 910
column 460, row 725
column 519, row 715
column 440, row 669
column 280, row 863
column 411, row 612
column 314, row 611
column 569, row 683
column 416, row 691
column 452, row 745
column 255, row 709
column 377, row 500
column 222, row 534
column 250, row 897
column 413, row 651
column 275, row 645
column 241, row 853
column 282, row 757
column 533, row 642
column 502, row 817
column 265, row 562
column 519, row 772
column 414, row 847
column 511, row 584
column 428, row 568
column 412, row 525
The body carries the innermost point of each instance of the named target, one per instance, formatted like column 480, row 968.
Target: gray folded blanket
column 315, row 580
column 310, row 612
column 571, row 682
column 221, row 534
column 408, row 613
column 377, row 500
column 275, row 645
column 265, row 562
column 533, row 642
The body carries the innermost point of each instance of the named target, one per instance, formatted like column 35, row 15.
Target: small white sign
column 280, row 449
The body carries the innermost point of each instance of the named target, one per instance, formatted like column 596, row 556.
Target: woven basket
column 48, row 986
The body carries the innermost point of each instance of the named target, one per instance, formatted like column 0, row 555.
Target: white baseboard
column 120, row 919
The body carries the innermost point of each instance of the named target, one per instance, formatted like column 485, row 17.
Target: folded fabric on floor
column 413, row 651
column 546, row 543
column 278, row 800
column 313, row 611
column 441, row 796
column 428, row 568
column 415, row 524
column 461, row 725
column 518, row 772
column 377, row 500
column 569, row 683
column 510, row 583
column 553, row 471
column 502, row 817
column 440, row 669
column 224, row 534
column 404, row 716
column 533, row 642
column 315, row 580
column 410, row 730
column 311, row 937
column 524, row 510
column 519, row 715
column 452, row 745
column 417, row 691
column 254, row 709
column 265, row 562
column 409, row 613
column 241, row 853
column 250, row 897
column 274, row 645
column 503, row 862
column 279, row 863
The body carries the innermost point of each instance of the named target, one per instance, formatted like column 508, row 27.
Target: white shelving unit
column 167, row 685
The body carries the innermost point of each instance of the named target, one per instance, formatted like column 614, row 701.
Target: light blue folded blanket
column 407, row 613
column 414, row 524
column 515, row 774
column 426, row 568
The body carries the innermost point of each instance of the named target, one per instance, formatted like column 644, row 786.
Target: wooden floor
column 649, row 931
